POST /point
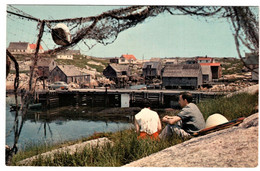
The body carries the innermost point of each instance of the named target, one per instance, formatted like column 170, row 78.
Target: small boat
column 35, row 106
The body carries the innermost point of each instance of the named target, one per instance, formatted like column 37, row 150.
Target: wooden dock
column 116, row 97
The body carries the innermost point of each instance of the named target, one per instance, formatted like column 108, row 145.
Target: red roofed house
column 206, row 62
column 33, row 48
column 23, row 48
column 127, row 59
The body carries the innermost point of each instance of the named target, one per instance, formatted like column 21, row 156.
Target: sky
column 161, row 36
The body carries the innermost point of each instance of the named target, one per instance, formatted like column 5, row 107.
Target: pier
column 115, row 97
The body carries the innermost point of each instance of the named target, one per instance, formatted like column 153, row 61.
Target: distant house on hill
column 124, row 59
column 23, row 48
column 182, row 75
column 33, row 48
column 65, row 55
column 68, row 74
column 204, row 60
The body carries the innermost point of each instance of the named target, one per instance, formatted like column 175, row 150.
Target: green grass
column 239, row 105
column 81, row 62
column 128, row 148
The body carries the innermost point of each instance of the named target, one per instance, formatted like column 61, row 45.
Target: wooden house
column 68, row 74
column 182, row 75
column 152, row 69
column 117, row 73
column 44, row 67
column 206, row 73
column 216, row 69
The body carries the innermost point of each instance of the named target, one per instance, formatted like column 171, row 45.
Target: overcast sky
column 161, row 36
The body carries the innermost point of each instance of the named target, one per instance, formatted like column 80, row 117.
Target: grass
column 128, row 148
column 81, row 62
column 239, row 105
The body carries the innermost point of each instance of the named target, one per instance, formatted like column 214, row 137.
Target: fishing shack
column 182, row 76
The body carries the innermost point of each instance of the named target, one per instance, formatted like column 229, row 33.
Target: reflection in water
column 65, row 123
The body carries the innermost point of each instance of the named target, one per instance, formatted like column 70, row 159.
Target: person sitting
column 147, row 123
column 188, row 121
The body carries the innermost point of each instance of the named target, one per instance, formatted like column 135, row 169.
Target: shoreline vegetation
column 126, row 147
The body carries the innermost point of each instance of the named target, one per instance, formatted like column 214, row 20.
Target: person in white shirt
column 147, row 124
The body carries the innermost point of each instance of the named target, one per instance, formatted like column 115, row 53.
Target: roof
column 33, row 46
column 120, row 68
column 70, row 70
column 210, row 64
column 153, row 64
column 44, row 61
column 182, row 70
column 204, row 58
column 129, row 57
column 18, row 45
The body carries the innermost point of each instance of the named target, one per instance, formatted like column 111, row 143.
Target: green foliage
column 230, row 65
column 239, row 105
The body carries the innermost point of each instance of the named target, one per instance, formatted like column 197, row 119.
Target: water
column 62, row 124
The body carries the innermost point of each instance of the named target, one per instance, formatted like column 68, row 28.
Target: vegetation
column 128, row 148
column 230, row 65
column 81, row 62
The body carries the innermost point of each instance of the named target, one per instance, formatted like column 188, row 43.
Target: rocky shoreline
column 233, row 147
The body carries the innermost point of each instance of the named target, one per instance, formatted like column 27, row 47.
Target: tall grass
column 127, row 148
column 239, row 105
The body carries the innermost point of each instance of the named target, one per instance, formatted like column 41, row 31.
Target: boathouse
column 152, row 69
column 117, row 73
column 68, row 74
column 182, row 75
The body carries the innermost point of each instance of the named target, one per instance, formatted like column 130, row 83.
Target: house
column 44, row 67
column 67, row 54
column 216, row 69
column 33, row 48
column 117, row 73
column 252, row 61
column 204, row 60
column 206, row 73
column 68, row 74
column 23, row 48
column 152, row 69
column 126, row 59
column 182, row 75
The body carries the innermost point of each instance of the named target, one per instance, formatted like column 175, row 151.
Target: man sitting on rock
column 188, row 121
column 147, row 123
